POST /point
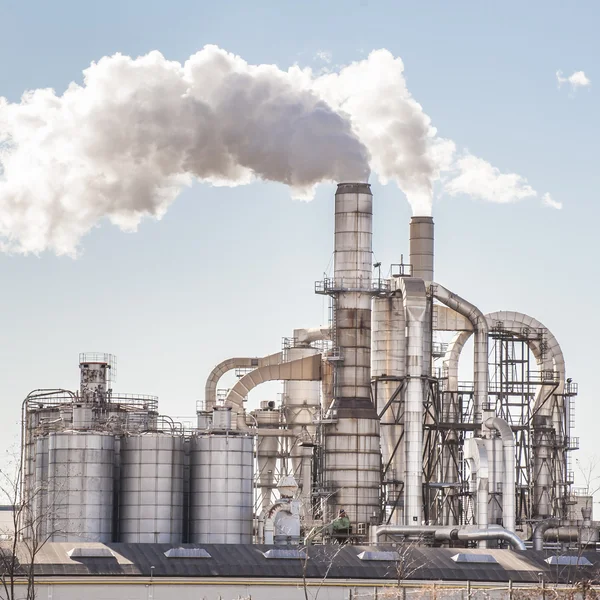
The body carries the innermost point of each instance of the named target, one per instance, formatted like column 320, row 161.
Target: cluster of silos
column 89, row 483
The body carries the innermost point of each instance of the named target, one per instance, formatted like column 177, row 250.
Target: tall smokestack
column 421, row 247
column 352, row 442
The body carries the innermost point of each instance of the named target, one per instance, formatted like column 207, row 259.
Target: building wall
column 207, row 589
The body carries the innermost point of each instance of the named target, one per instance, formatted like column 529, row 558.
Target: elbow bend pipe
column 538, row 532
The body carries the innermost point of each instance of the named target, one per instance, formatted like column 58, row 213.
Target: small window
column 285, row 553
column 374, row 555
column 477, row 559
column 187, row 553
column 87, row 552
column 569, row 561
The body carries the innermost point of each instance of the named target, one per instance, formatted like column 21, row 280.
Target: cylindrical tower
column 80, row 486
column 301, row 403
column 267, row 448
column 421, row 247
column 388, row 367
column 221, row 490
column 352, row 463
column 151, row 498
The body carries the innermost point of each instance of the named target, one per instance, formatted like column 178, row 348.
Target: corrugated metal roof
column 335, row 562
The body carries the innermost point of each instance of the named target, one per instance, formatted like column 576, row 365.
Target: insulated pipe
column 508, row 481
column 538, row 532
column 421, row 242
column 415, row 306
column 450, row 533
column 352, row 468
column 306, row 369
column 480, row 327
column 239, row 362
column 475, row 453
column 550, row 360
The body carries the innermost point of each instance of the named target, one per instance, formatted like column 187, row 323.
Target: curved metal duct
column 239, row 362
column 549, row 359
column 304, row 369
column 538, row 532
column 508, row 480
column 480, row 326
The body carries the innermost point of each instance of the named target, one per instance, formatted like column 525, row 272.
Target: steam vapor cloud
column 123, row 144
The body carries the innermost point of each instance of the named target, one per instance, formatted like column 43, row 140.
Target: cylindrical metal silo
column 80, row 486
column 221, row 490
column 151, row 498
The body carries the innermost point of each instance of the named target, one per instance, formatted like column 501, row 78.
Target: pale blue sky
column 231, row 271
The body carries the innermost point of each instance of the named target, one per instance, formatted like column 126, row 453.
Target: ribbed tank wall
column 39, row 491
column 80, row 486
column 221, row 489
column 151, row 499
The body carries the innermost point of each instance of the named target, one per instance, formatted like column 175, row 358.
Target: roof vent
column 374, row 555
column 570, row 561
column 284, row 553
column 93, row 552
column 187, row 553
column 476, row 559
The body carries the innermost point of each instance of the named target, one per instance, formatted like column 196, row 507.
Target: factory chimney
column 352, row 440
column 421, row 247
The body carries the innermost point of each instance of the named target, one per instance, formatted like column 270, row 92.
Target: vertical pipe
column 421, row 246
column 352, row 443
column 415, row 306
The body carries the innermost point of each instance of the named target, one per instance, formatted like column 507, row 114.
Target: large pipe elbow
column 481, row 329
column 540, row 529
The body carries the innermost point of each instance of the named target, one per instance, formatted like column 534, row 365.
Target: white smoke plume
column 479, row 179
column 576, row 79
column 122, row 144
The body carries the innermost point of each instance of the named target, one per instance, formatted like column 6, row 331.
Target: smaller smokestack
column 421, row 247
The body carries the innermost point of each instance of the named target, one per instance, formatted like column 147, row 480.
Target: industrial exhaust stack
column 421, row 247
column 352, row 469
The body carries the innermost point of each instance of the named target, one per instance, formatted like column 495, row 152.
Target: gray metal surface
column 415, row 306
column 325, row 564
column 39, row 491
column 221, row 489
column 80, row 486
column 352, row 466
column 267, row 448
column 388, row 360
column 151, row 494
column 422, row 247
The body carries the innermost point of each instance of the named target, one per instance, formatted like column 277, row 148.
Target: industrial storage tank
column 80, row 486
column 151, row 496
column 221, row 488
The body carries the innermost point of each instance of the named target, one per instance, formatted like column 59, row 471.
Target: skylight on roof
column 375, row 555
column 284, row 553
column 476, row 559
column 86, row 552
column 569, row 560
column 187, row 553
